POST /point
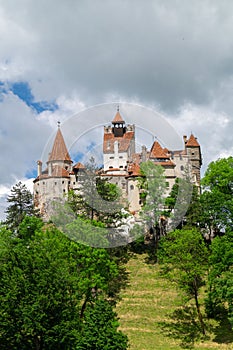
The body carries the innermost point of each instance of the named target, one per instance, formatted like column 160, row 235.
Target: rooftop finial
column 58, row 124
column 118, row 108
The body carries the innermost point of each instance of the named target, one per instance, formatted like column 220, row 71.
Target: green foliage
column 184, row 258
column 219, row 175
column 220, row 281
column 153, row 185
column 97, row 199
column 194, row 213
column 47, row 283
column 170, row 200
column 217, row 199
column 20, row 204
column 99, row 329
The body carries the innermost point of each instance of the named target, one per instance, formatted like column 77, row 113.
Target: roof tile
column 192, row 141
column 59, row 150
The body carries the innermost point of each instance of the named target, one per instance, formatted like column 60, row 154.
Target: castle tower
column 54, row 182
column 118, row 123
column 59, row 156
column 118, row 145
column 193, row 151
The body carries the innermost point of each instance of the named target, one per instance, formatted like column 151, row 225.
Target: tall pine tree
column 20, row 205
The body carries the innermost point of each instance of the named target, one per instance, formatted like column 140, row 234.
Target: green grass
column 151, row 313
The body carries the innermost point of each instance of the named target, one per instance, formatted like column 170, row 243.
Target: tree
column 49, row 287
column 99, row 329
column 220, row 278
column 20, row 204
column 194, row 213
column 152, row 185
column 180, row 201
column 183, row 256
column 217, row 198
column 96, row 199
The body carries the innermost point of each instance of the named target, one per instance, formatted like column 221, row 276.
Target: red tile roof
column 158, row 152
column 134, row 169
column 192, row 141
column 57, row 171
column 59, row 150
column 118, row 118
column 78, row 166
column 123, row 142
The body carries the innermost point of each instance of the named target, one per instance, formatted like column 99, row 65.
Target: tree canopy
column 49, row 288
column 20, row 204
column 184, row 259
column 217, row 198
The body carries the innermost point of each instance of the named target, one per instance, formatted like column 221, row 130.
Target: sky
column 59, row 58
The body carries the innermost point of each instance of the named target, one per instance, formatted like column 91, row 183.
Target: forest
column 58, row 293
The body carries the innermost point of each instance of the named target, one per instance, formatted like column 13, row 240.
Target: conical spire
column 118, row 118
column 192, row 141
column 59, row 150
column 157, row 151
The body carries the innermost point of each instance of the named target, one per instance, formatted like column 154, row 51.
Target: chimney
column 185, row 139
column 39, row 167
column 144, row 153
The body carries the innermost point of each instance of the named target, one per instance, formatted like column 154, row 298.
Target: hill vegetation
column 57, row 293
column 153, row 316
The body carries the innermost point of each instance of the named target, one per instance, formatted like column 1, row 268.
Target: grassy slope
column 148, row 300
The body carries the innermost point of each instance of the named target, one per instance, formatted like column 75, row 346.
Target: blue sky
column 23, row 91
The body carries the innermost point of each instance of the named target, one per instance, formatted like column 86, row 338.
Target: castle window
column 120, row 157
column 121, row 166
column 181, row 167
column 64, row 190
column 193, row 153
column 111, row 157
column 43, row 183
column 167, row 184
column 73, row 183
column 55, row 183
column 111, row 167
column 181, row 156
column 131, row 187
column 63, row 181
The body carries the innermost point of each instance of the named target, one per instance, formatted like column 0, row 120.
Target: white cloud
column 213, row 129
column 174, row 56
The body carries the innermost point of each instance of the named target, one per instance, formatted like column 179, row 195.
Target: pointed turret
column 157, row 152
column 118, row 118
column 119, row 128
column 192, row 142
column 59, row 150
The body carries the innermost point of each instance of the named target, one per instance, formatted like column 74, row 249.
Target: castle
column 121, row 165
